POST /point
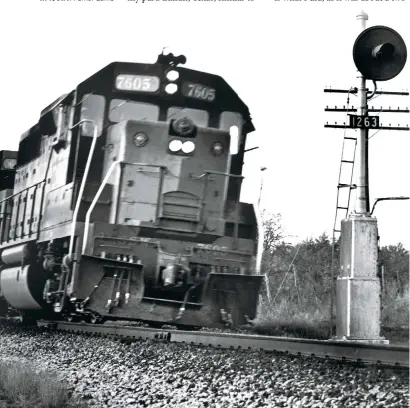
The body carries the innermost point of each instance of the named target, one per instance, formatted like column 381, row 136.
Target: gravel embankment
column 153, row 374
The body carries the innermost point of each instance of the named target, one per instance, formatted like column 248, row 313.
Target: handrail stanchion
column 83, row 181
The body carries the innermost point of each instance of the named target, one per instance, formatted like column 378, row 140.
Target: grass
column 22, row 387
column 395, row 312
column 287, row 318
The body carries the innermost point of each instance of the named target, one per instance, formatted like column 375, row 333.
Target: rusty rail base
column 383, row 355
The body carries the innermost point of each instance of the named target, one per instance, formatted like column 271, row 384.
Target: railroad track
column 383, row 355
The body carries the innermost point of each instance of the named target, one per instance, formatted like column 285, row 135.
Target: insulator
column 103, row 254
column 118, row 257
column 125, row 258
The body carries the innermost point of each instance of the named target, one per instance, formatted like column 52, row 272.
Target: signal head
column 379, row 53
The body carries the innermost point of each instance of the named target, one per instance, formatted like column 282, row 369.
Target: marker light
column 173, row 75
column 140, row 139
column 188, row 147
column 217, row 148
column 9, row 164
column 175, row 145
column 171, row 88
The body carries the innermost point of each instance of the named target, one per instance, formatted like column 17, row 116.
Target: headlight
column 140, row 139
column 188, row 147
column 9, row 164
column 217, row 148
column 175, row 145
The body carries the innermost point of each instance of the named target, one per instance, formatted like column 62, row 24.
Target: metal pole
column 260, row 191
column 362, row 205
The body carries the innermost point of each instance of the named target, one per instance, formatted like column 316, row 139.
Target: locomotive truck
column 123, row 202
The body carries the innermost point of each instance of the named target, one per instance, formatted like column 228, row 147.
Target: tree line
column 300, row 275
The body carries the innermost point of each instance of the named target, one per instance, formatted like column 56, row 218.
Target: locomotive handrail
column 101, row 188
column 20, row 192
column 219, row 173
column 84, row 179
column 3, row 211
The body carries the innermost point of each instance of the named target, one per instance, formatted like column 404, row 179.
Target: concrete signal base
column 358, row 314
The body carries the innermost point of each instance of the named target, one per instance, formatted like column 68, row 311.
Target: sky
column 277, row 55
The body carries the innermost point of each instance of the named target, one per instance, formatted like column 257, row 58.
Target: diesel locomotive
column 123, row 202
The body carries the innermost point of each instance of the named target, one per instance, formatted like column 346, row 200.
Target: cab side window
column 92, row 107
column 233, row 123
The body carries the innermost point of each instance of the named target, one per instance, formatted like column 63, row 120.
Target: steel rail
column 384, row 355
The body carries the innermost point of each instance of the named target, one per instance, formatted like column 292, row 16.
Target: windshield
column 121, row 110
column 199, row 117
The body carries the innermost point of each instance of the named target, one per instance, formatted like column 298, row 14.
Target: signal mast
column 379, row 54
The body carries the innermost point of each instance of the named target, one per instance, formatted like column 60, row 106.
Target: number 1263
column 364, row 122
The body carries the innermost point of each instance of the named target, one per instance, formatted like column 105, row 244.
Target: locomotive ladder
column 342, row 204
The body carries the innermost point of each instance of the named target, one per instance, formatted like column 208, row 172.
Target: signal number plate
column 198, row 91
column 364, row 122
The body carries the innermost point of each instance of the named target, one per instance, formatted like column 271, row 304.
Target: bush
column 23, row 387
column 395, row 312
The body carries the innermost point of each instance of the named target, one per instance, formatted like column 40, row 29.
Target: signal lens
column 217, row 148
column 140, row 139
column 188, row 147
column 175, row 145
column 9, row 164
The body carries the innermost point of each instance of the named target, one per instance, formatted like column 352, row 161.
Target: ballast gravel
column 110, row 373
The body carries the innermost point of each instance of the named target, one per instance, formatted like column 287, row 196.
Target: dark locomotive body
column 124, row 202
